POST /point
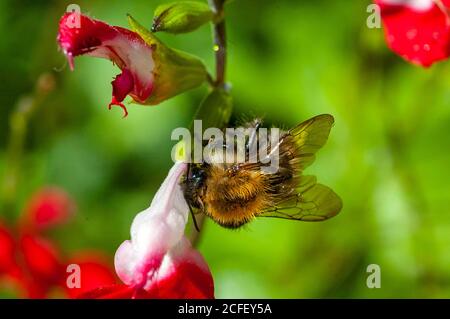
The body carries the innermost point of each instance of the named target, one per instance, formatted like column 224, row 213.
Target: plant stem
column 220, row 50
column 18, row 123
column 219, row 33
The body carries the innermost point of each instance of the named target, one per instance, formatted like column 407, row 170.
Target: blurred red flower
column 31, row 265
column 48, row 208
column 94, row 270
column 417, row 30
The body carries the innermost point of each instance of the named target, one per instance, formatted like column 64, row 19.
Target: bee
column 233, row 194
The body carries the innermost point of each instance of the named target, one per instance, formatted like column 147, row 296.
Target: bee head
column 194, row 183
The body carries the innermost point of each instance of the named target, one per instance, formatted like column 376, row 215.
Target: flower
column 151, row 72
column 159, row 261
column 33, row 266
column 48, row 208
column 41, row 259
column 417, row 30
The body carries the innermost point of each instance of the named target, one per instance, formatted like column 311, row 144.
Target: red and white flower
column 159, row 261
column 151, row 72
column 417, row 30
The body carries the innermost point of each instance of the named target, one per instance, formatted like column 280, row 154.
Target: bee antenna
column 193, row 218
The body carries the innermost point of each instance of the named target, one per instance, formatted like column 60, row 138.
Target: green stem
column 18, row 124
column 219, row 33
column 220, row 51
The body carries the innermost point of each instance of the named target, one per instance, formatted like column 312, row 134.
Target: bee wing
column 310, row 202
column 306, row 139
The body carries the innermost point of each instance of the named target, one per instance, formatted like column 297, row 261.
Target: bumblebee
column 233, row 194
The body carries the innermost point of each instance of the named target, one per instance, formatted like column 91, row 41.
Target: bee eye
column 197, row 177
column 197, row 174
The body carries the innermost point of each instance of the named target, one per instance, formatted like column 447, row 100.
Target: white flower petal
column 419, row 5
column 154, row 232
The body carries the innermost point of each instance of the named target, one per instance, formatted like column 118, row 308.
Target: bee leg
column 193, row 218
column 188, row 170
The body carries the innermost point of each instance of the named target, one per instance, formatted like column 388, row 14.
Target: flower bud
column 181, row 17
column 215, row 110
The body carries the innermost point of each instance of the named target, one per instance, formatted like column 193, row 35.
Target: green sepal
column 175, row 71
column 215, row 109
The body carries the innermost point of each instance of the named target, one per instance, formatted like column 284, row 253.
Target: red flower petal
column 47, row 208
column 420, row 35
column 12, row 276
column 115, row 292
column 42, row 259
column 122, row 85
column 7, row 250
column 187, row 282
column 124, row 47
column 94, row 273
column 183, row 274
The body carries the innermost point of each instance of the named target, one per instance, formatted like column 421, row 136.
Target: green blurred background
column 387, row 156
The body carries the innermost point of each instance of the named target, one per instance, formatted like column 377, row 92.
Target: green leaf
column 181, row 17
